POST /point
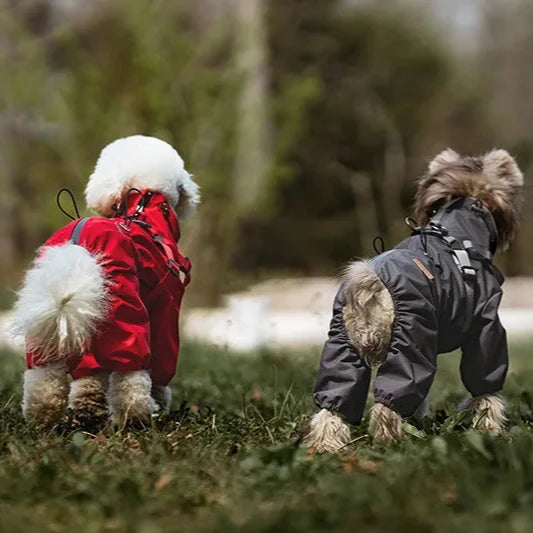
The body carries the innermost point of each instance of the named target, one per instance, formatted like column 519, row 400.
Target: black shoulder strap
column 76, row 232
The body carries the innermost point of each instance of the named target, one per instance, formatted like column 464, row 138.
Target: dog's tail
column 368, row 312
column 63, row 299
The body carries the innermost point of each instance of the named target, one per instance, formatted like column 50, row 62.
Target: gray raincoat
column 446, row 294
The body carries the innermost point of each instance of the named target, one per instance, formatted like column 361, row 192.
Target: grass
column 227, row 459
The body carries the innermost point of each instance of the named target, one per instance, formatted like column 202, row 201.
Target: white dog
column 102, row 299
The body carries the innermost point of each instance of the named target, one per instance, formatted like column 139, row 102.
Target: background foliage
column 353, row 99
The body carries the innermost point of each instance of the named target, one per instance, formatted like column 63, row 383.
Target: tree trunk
column 253, row 150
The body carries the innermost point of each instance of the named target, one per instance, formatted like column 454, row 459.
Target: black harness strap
column 76, row 232
column 461, row 257
column 176, row 263
column 462, row 253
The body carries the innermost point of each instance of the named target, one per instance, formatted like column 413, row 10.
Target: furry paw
column 130, row 401
column 488, row 413
column 385, row 425
column 45, row 394
column 326, row 432
column 87, row 399
column 162, row 396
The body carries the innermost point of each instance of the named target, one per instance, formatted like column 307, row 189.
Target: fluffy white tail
column 63, row 298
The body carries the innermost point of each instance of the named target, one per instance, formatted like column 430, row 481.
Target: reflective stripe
column 76, row 232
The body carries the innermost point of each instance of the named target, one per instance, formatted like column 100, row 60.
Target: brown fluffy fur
column 368, row 312
column 326, row 432
column 488, row 413
column 385, row 425
column 493, row 178
column 87, row 399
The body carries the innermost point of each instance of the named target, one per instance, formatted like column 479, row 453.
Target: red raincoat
column 141, row 261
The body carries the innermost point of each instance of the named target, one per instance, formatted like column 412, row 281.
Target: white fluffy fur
column 145, row 163
column 488, row 413
column 162, row 396
column 327, row 432
column 129, row 397
column 385, row 425
column 368, row 312
column 63, row 298
column 45, row 394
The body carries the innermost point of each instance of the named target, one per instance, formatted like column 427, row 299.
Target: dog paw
column 45, row 395
column 162, row 396
column 88, row 402
column 325, row 431
column 130, row 400
column 488, row 413
column 385, row 425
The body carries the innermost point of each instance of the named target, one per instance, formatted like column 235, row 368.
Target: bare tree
column 253, row 147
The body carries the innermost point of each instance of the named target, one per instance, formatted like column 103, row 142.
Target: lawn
column 227, row 459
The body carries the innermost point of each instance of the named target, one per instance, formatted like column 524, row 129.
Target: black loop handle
column 58, row 201
column 378, row 239
column 412, row 223
column 122, row 209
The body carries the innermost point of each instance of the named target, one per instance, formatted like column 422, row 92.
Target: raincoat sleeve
column 485, row 359
column 343, row 377
column 405, row 377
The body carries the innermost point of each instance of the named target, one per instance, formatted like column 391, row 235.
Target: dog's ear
column 501, row 165
column 445, row 158
column 189, row 198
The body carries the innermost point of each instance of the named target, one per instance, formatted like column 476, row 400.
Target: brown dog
column 437, row 291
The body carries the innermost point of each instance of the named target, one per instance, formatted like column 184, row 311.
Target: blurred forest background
column 306, row 122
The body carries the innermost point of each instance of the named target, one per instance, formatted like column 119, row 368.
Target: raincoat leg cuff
column 350, row 418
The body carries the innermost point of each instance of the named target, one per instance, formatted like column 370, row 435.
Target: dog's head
column 144, row 163
column 493, row 178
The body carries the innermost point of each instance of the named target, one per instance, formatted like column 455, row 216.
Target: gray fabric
column 431, row 317
column 76, row 232
column 343, row 378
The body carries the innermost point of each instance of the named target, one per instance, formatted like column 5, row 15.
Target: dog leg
column 130, row 401
column 87, row 399
column 385, row 425
column 368, row 312
column 422, row 411
column 326, row 432
column 488, row 413
column 45, row 394
column 162, row 396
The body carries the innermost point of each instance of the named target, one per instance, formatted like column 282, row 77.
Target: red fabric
column 142, row 327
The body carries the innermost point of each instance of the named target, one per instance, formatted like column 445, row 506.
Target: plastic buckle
column 468, row 272
column 174, row 267
column 437, row 226
column 142, row 223
column 185, row 266
column 124, row 226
